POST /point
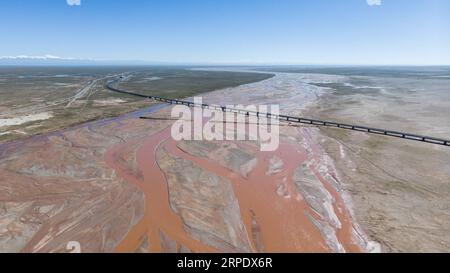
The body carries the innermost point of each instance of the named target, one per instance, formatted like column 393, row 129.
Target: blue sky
column 231, row 31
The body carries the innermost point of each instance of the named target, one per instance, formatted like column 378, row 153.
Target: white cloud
column 374, row 2
column 74, row 2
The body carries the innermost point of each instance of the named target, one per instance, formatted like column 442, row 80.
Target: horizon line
column 54, row 60
column 268, row 63
column 213, row 64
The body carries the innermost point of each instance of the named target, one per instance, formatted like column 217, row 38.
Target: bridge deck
column 292, row 119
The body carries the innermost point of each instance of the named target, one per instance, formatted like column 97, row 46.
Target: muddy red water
column 125, row 185
column 158, row 214
column 273, row 222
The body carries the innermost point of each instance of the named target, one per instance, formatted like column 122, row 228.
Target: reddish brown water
column 158, row 215
column 274, row 222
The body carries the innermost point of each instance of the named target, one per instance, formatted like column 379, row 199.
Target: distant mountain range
column 56, row 60
column 42, row 60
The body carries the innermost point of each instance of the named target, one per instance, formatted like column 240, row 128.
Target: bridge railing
column 291, row 119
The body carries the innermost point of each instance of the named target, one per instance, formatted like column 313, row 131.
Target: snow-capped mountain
column 43, row 60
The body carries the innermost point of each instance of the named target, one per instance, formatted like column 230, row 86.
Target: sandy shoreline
column 398, row 190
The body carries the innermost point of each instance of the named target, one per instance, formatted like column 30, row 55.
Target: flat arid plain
column 77, row 164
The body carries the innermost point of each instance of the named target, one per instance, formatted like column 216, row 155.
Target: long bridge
column 285, row 118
